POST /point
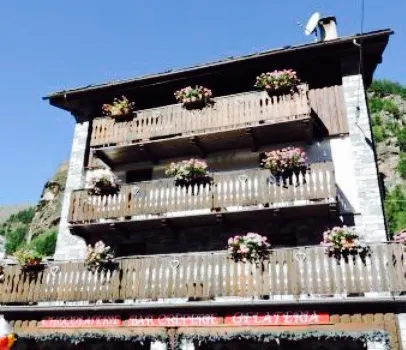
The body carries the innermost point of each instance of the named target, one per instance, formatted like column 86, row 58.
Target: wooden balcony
column 144, row 205
column 245, row 120
column 295, row 272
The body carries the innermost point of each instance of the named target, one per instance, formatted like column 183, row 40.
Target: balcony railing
column 227, row 113
column 231, row 191
column 302, row 271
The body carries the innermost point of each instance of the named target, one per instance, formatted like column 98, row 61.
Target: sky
column 49, row 46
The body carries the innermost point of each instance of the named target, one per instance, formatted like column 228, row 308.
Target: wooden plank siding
column 328, row 104
column 287, row 272
column 226, row 113
column 241, row 188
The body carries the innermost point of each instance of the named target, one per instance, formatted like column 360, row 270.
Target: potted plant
column 102, row 182
column 189, row 173
column 120, row 109
column 29, row 259
column 99, row 257
column 251, row 247
column 286, row 162
column 401, row 238
column 278, row 81
column 343, row 241
column 192, row 98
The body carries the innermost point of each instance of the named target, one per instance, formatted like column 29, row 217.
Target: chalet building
column 174, row 284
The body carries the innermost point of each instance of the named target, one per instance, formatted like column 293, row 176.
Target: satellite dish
column 312, row 23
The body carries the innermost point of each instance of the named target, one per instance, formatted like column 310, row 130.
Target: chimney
column 328, row 28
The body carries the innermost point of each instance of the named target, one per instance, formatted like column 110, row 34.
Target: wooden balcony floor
column 199, row 144
column 123, row 229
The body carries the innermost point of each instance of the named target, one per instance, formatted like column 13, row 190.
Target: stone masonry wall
column 402, row 329
column 370, row 219
column 69, row 246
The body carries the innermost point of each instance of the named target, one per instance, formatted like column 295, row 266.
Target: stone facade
column 402, row 329
column 369, row 218
column 69, row 246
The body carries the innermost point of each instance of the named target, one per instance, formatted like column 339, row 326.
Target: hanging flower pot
column 286, row 165
column 278, row 81
column 190, row 174
column 120, row 109
column 343, row 241
column 29, row 259
column 100, row 257
column 102, row 182
column 193, row 98
column 251, row 247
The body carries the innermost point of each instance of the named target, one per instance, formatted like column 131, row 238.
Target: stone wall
column 69, row 246
column 370, row 219
column 402, row 329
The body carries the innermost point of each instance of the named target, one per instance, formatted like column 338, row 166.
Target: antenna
column 311, row 26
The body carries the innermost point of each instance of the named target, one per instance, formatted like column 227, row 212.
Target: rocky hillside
column 36, row 227
column 387, row 104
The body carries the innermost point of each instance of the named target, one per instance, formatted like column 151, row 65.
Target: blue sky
column 49, row 46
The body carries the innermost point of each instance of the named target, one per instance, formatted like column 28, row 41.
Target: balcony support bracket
column 102, row 157
column 196, row 142
column 151, row 155
column 255, row 141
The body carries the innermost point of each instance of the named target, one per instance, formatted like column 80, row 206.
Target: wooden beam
column 99, row 154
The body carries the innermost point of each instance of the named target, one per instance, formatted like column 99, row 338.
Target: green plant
column 402, row 165
column 27, row 256
column 44, row 243
column 378, row 104
column 401, row 135
column 378, row 132
column 385, row 87
column 15, row 239
column 395, row 209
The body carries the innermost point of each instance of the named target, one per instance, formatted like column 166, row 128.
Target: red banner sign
column 175, row 320
column 94, row 322
column 193, row 320
column 276, row 319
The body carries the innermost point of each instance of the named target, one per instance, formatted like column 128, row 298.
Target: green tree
column 385, row 88
column 15, row 239
column 395, row 209
column 44, row 243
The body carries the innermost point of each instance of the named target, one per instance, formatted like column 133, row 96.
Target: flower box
column 30, row 260
column 102, row 182
column 278, row 81
column 251, row 247
column 120, row 109
column 193, row 98
column 189, row 174
column 286, row 163
column 343, row 241
column 100, row 257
